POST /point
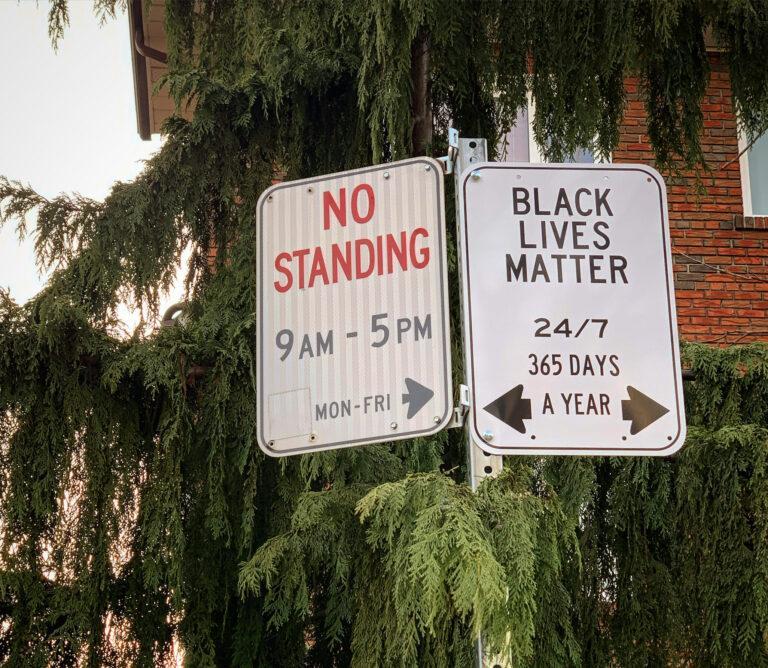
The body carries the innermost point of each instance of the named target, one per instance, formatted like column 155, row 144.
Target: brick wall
column 720, row 258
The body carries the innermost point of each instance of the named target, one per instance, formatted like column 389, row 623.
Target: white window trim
column 746, row 189
column 534, row 152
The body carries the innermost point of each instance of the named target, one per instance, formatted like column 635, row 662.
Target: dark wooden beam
column 421, row 98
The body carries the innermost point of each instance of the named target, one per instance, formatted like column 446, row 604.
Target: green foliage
column 571, row 55
column 137, row 513
column 740, row 28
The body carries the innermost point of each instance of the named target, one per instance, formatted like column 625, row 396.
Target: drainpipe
column 139, row 55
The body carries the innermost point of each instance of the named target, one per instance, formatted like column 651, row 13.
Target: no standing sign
column 569, row 313
column 352, row 331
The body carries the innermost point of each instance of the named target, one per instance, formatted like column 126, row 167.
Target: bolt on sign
column 569, row 310
column 352, row 306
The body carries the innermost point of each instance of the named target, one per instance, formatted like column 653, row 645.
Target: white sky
column 67, row 118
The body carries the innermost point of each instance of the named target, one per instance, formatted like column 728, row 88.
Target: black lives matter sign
column 569, row 307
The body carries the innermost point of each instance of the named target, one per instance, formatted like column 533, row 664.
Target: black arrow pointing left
column 511, row 408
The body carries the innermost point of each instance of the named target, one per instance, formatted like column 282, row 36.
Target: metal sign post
column 352, row 309
column 481, row 463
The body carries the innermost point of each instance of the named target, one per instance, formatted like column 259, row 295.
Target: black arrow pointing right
column 511, row 408
column 416, row 397
column 641, row 409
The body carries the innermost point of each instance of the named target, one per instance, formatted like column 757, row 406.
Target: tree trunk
column 421, row 102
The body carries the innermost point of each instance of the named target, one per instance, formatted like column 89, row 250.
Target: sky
column 67, row 118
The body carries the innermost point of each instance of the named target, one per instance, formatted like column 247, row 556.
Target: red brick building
column 720, row 246
column 719, row 233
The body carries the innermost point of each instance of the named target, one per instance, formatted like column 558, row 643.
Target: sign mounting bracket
column 449, row 161
column 460, row 411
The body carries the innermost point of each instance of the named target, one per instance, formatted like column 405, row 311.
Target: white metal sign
column 569, row 310
column 352, row 334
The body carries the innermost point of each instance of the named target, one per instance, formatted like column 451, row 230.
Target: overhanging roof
column 148, row 49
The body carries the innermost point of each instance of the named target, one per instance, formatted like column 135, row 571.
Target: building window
column 514, row 145
column 519, row 144
column 754, row 176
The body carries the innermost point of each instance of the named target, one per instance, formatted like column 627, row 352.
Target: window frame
column 746, row 182
column 535, row 155
column 534, row 151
